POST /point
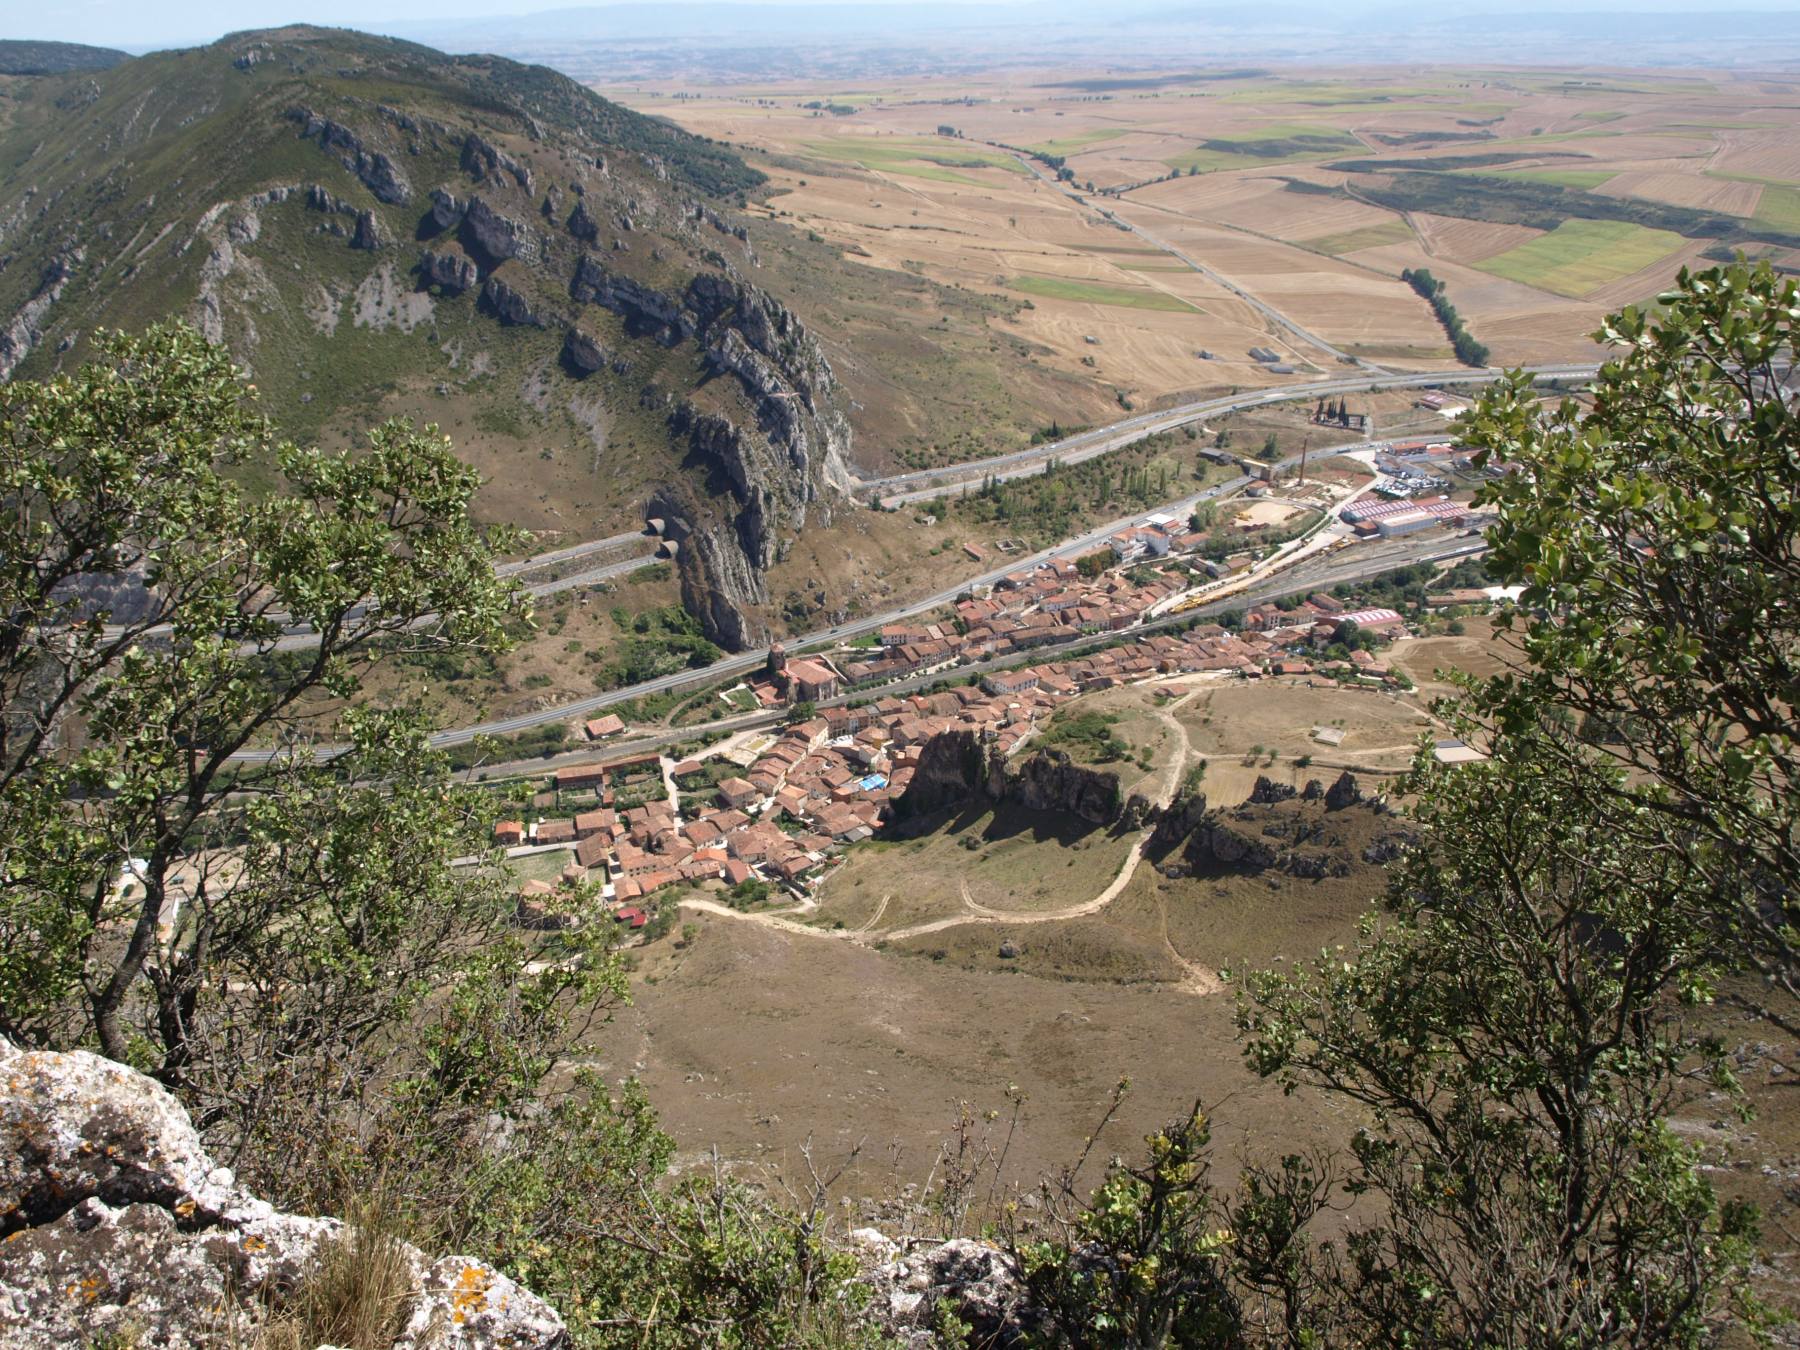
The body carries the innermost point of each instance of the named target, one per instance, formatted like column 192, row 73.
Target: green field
column 915, row 158
column 1779, row 208
column 1575, row 178
column 1579, row 256
column 1369, row 236
column 1600, row 115
column 1072, row 145
column 1096, row 293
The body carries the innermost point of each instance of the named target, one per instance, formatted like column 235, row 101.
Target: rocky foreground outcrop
column 117, row 1228
column 912, row 1287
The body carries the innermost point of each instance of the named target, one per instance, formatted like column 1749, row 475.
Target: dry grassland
column 1010, row 860
column 758, row 1041
column 946, row 209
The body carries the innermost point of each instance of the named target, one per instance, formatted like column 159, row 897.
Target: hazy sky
column 135, row 24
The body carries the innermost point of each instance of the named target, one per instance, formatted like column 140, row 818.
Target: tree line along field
column 1311, row 191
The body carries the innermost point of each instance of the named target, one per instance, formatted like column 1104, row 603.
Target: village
column 774, row 810
column 767, row 810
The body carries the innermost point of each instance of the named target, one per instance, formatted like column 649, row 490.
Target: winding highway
column 925, row 484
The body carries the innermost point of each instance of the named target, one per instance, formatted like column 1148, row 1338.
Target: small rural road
column 775, row 919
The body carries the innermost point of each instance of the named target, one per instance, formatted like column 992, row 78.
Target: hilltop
column 55, row 58
column 374, row 228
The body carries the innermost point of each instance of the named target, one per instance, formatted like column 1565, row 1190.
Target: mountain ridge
column 319, row 201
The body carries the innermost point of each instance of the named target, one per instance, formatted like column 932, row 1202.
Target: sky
column 135, row 24
column 140, row 24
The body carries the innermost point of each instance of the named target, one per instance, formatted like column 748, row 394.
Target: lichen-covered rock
column 119, row 1227
column 454, row 272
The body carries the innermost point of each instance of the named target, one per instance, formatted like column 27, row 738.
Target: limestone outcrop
column 118, row 1228
column 955, row 768
column 24, row 331
column 647, row 311
column 378, row 173
column 508, row 305
column 369, row 233
column 446, row 209
column 495, row 234
column 1345, row 792
column 1266, row 790
column 1050, row 781
column 483, row 159
column 583, row 352
column 454, row 272
column 582, row 224
column 979, row 1283
column 777, row 456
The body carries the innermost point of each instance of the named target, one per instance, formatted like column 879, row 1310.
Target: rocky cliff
column 955, row 769
column 1050, row 781
column 773, row 447
column 1311, row 832
column 116, row 1228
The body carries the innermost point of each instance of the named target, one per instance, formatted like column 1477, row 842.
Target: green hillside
column 376, row 229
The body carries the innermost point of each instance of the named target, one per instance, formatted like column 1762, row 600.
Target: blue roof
column 873, row 781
